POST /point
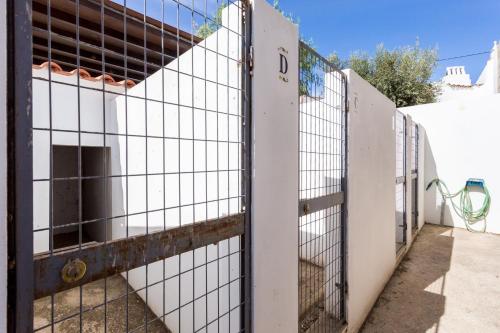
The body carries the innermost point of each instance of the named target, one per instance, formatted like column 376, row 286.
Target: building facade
column 457, row 84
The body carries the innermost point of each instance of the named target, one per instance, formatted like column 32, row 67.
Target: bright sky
column 456, row 27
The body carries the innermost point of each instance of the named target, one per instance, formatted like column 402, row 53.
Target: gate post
column 19, row 167
column 274, row 171
column 409, row 187
column 3, row 166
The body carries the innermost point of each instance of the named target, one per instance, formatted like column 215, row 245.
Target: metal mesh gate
column 400, row 180
column 139, row 167
column 322, row 186
column 414, row 176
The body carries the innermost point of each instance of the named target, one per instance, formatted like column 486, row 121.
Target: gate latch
column 306, row 208
column 73, row 271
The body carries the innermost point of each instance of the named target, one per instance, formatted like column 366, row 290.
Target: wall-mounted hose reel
column 464, row 208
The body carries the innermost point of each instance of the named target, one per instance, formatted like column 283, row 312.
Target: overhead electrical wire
column 464, row 56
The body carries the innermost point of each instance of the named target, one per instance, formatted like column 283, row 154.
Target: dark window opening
column 81, row 201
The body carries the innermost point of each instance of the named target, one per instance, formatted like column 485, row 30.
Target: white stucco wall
column 461, row 139
column 497, row 67
column 3, row 166
column 371, row 197
column 275, row 173
column 450, row 92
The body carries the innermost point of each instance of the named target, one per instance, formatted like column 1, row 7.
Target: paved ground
column 312, row 315
column 67, row 308
column 449, row 283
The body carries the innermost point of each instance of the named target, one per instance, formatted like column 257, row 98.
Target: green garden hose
column 464, row 209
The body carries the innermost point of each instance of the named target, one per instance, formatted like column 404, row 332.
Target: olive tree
column 403, row 74
column 211, row 24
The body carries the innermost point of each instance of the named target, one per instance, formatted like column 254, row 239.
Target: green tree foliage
column 308, row 63
column 335, row 60
column 211, row 25
column 403, row 74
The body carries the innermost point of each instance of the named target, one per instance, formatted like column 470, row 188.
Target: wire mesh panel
column 322, row 171
column 140, row 167
column 400, row 120
column 414, row 148
column 414, row 176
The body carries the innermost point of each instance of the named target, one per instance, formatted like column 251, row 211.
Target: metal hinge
column 250, row 59
column 345, row 286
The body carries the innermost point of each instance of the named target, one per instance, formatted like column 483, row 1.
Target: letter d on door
column 283, row 64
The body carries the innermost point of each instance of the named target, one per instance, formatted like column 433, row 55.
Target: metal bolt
column 307, row 208
column 73, row 271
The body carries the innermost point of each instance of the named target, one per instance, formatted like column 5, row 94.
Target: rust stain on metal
column 116, row 256
column 73, row 271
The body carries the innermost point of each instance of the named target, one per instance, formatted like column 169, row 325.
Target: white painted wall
column 371, row 197
column 3, row 166
column 275, row 170
column 496, row 72
column 461, row 137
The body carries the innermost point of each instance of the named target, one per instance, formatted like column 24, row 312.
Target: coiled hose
column 464, row 209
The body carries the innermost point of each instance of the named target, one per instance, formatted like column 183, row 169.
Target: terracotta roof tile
column 108, row 79
column 460, row 85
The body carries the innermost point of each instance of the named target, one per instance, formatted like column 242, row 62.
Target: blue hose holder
column 475, row 182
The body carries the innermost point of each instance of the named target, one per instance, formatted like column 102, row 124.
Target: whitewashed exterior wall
column 460, row 135
column 371, row 206
column 274, row 173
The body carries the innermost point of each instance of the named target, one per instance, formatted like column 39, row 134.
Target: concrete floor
column 67, row 309
column 312, row 315
column 449, row 282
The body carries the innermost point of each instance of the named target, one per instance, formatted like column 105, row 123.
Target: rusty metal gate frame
column 336, row 200
column 19, row 166
column 30, row 278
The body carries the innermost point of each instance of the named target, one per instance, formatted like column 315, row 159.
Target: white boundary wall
column 462, row 143
column 275, row 173
column 371, row 197
column 371, row 169
column 371, row 229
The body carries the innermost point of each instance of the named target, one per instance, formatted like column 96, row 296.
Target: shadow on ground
column 448, row 282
